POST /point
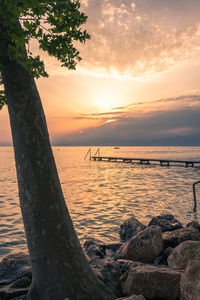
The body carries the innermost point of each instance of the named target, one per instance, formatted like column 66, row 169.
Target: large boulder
column 174, row 238
column 130, row 228
column 183, row 254
column 190, row 282
column 143, row 247
column 166, row 222
column 153, row 282
column 13, row 267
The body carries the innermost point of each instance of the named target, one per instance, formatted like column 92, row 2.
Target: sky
column 138, row 82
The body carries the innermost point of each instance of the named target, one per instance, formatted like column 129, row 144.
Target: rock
column 126, row 265
column 113, row 271
column 166, row 222
column 17, row 289
column 22, row 297
column 162, row 258
column 23, row 282
column 123, row 279
column 174, row 238
column 94, row 248
column 13, row 267
column 130, row 228
column 183, row 254
column 91, row 241
column 125, row 268
column 110, row 249
column 132, row 297
column 143, row 247
column 190, row 282
column 194, row 224
column 153, row 282
column 98, row 264
column 88, row 258
column 17, row 294
column 109, row 272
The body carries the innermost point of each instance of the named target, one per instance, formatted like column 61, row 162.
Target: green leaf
column 55, row 25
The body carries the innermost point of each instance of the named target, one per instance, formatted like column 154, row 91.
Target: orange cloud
column 141, row 109
column 131, row 39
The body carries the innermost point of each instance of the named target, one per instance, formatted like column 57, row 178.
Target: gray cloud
column 160, row 127
column 142, row 108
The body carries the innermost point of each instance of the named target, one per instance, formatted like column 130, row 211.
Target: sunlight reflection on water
column 101, row 195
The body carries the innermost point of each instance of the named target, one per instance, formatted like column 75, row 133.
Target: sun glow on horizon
column 107, row 99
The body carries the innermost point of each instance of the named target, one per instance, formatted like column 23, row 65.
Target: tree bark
column 60, row 269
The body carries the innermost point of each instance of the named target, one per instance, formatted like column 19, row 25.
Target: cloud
column 140, row 37
column 142, row 108
column 163, row 123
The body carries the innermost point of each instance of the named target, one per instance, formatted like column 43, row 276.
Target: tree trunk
column 60, row 269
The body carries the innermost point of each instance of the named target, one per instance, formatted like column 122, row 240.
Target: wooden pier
column 147, row 161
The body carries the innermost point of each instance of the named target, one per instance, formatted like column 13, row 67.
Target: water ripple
column 101, row 195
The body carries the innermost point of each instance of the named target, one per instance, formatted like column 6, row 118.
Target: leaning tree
column 59, row 266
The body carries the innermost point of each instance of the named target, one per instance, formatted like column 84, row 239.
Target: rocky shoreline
column 158, row 261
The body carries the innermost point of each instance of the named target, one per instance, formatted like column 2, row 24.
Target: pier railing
column 89, row 153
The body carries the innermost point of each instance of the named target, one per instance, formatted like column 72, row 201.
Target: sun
column 106, row 99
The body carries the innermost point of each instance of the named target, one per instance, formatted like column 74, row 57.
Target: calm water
column 100, row 195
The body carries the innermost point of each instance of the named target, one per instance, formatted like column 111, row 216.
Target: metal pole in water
column 194, row 195
column 97, row 152
column 89, row 151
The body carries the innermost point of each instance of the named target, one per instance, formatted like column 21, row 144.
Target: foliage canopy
column 54, row 25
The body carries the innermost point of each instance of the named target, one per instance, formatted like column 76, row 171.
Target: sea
column 102, row 195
